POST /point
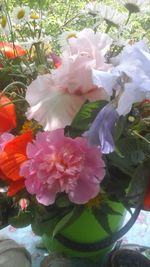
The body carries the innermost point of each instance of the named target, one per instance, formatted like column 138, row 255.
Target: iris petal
column 102, row 128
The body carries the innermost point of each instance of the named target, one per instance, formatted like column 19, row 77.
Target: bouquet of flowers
column 81, row 135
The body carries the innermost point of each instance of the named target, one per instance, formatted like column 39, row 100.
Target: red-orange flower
column 11, row 50
column 7, row 115
column 147, row 199
column 13, row 155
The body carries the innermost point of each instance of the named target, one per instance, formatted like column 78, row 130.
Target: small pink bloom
column 23, row 202
column 61, row 164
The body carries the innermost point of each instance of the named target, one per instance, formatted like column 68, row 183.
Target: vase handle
column 108, row 241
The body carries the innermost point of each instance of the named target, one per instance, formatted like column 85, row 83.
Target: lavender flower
column 102, row 128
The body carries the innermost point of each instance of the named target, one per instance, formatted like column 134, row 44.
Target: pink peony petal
column 47, row 197
column 62, row 164
column 84, row 191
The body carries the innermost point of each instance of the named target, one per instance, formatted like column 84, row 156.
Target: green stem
column 8, row 87
column 11, row 102
column 10, row 25
column 108, row 28
column 39, row 54
column 142, row 137
column 129, row 16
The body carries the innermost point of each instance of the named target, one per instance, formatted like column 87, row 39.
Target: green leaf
column 44, row 227
column 138, row 185
column 121, row 163
column 107, row 209
column 102, row 219
column 22, row 220
column 87, row 114
column 145, row 145
column 137, row 156
column 63, row 201
column 119, row 128
column 131, row 153
column 68, row 219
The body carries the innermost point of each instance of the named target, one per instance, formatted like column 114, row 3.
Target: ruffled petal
column 13, row 155
column 53, row 110
column 7, row 115
column 84, row 191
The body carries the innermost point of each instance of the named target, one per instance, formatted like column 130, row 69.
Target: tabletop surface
column 138, row 234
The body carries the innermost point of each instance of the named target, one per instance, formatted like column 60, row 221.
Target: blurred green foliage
column 60, row 15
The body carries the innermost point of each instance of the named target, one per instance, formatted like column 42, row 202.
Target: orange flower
column 147, row 199
column 13, row 155
column 7, row 115
column 15, row 187
column 11, row 50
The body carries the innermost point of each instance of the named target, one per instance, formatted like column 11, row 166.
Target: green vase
column 86, row 229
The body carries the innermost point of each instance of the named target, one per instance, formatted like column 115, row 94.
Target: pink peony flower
column 61, row 164
column 56, row 98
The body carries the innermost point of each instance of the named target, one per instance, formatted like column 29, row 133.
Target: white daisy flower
column 111, row 15
column 4, row 25
column 21, row 14
column 64, row 37
column 134, row 6
column 92, row 8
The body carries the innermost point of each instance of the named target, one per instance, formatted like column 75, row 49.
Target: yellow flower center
column 71, row 35
column 21, row 14
column 34, row 16
column 3, row 21
column 30, row 125
column 97, row 201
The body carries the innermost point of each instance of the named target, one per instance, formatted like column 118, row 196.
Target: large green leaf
column 138, row 185
column 116, row 183
column 44, row 227
column 120, row 127
column 121, row 163
column 131, row 151
column 87, row 114
column 44, row 219
column 107, row 209
column 102, row 218
column 22, row 220
column 68, row 219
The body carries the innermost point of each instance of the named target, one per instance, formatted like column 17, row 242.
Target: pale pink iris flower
column 61, row 164
column 54, row 99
